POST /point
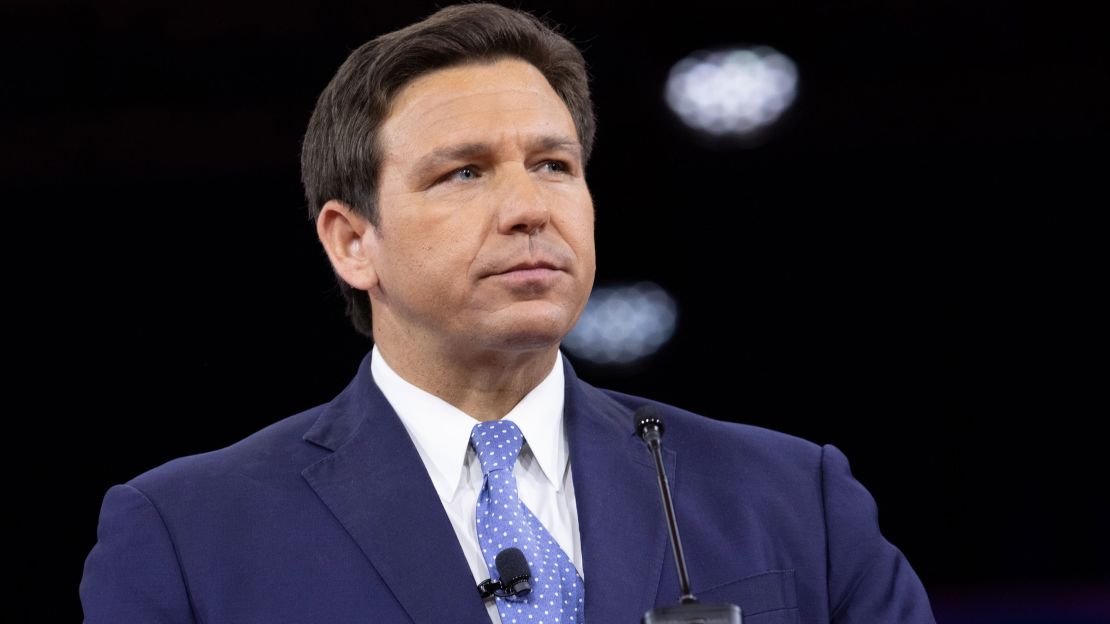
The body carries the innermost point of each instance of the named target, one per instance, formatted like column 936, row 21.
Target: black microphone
column 649, row 426
column 516, row 577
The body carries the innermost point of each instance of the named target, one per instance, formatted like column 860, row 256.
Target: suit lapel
column 620, row 513
column 376, row 485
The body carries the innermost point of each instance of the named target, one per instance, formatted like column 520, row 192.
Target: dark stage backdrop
column 907, row 269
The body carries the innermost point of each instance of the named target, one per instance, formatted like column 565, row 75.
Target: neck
column 483, row 384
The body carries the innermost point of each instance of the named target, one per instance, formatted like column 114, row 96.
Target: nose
column 521, row 205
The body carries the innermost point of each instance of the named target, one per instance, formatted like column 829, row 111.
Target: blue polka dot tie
column 504, row 522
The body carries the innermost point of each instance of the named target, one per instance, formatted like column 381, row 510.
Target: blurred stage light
column 622, row 324
column 732, row 92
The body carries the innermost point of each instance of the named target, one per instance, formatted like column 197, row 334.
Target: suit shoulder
column 719, row 438
column 269, row 453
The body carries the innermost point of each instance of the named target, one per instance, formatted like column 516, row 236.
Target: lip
column 535, row 265
column 528, row 274
column 529, row 277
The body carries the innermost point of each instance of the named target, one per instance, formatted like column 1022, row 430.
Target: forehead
column 473, row 102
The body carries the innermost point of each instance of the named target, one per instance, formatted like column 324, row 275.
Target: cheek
column 438, row 259
column 580, row 235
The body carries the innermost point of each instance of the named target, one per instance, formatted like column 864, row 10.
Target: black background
column 909, row 268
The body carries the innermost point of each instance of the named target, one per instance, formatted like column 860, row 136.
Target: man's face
column 486, row 223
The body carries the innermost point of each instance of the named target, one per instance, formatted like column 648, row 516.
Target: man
column 444, row 166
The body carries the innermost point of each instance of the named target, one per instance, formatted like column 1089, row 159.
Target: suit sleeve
column 132, row 574
column 869, row 579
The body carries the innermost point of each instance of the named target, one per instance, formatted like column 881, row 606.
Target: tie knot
column 497, row 443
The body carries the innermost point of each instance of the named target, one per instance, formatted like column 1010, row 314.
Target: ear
column 350, row 242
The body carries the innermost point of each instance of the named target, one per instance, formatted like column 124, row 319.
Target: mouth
column 537, row 266
column 530, row 277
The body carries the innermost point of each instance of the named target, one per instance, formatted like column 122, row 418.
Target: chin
column 536, row 335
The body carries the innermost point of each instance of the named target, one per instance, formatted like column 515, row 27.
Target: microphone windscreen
column 512, row 564
column 648, row 417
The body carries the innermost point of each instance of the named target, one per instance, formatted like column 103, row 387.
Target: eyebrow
column 466, row 151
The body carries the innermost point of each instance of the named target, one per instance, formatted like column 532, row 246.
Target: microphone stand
column 649, row 426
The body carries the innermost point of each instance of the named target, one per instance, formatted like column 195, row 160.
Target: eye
column 462, row 174
column 556, row 166
column 468, row 172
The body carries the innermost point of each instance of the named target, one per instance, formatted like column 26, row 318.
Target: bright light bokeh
column 622, row 324
column 733, row 92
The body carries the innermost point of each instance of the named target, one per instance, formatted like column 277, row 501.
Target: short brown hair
column 341, row 156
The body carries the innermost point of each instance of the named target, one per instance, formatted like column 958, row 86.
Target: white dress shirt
column 441, row 433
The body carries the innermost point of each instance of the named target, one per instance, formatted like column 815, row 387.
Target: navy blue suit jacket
column 329, row 517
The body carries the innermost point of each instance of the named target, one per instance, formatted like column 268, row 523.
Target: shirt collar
column 441, row 431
